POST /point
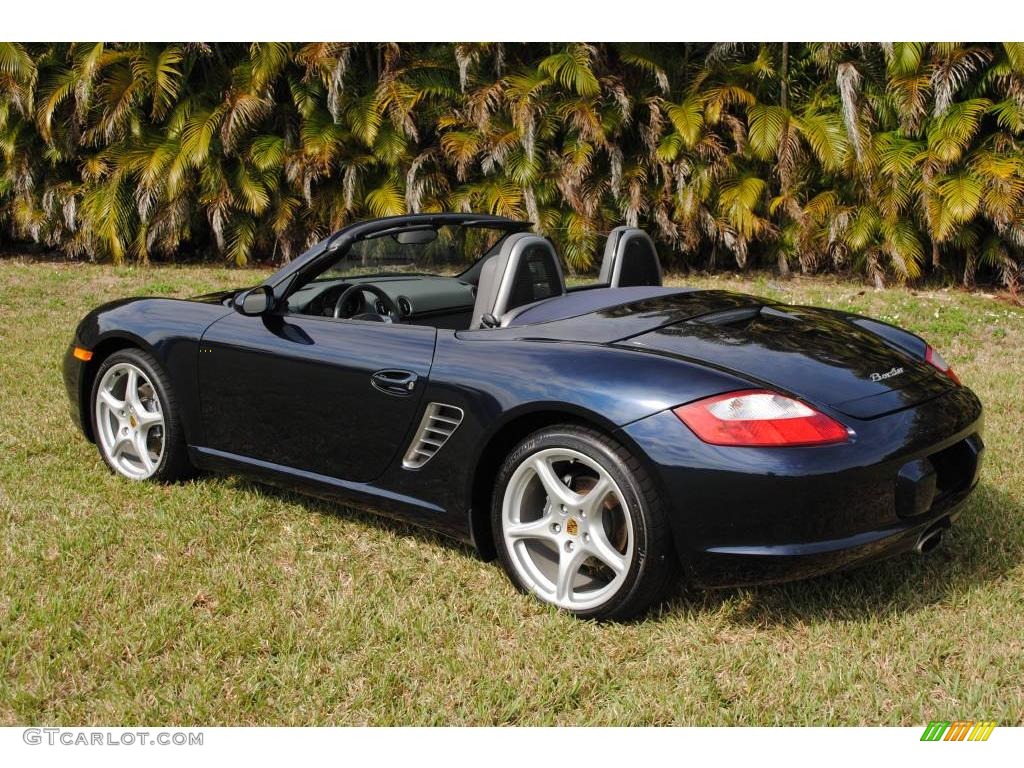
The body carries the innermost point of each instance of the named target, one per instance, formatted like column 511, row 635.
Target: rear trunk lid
column 812, row 353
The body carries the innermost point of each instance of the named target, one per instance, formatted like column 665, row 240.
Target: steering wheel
column 393, row 312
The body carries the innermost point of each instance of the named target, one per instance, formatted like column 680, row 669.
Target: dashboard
column 419, row 298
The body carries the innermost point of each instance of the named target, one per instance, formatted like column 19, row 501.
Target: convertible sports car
column 597, row 439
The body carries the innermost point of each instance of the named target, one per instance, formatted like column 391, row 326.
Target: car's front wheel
column 134, row 419
column 578, row 524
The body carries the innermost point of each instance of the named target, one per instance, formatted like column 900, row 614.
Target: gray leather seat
column 524, row 271
column 630, row 259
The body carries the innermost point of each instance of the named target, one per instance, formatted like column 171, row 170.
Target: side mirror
column 255, row 301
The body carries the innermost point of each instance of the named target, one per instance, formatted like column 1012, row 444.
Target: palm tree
column 894, row 160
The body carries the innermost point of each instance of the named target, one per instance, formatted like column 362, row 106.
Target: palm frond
column 572, row 69
column 687, row 117
column 765, row 127
column 386, row 199
column 950, row 135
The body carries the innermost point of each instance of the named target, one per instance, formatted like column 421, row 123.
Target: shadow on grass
column 376, row 519
column 982, row 548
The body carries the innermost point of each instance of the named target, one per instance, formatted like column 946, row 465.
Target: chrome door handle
column 394, row 382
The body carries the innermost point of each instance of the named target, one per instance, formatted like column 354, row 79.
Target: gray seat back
column 630, row 259
column 525, row 270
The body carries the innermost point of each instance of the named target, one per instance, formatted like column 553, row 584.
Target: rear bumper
column 747, row 566
column 743, row 516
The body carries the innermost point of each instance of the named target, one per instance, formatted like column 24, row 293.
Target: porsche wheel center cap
column 572, row 527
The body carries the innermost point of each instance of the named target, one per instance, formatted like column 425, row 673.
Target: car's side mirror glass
column 256, row 301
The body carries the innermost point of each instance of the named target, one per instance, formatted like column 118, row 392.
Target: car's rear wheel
column 577, row 523
column 134, row 419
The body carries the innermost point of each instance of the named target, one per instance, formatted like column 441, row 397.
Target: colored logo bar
column 958, row 730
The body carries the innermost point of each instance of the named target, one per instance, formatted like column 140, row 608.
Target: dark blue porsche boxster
column 597, row 439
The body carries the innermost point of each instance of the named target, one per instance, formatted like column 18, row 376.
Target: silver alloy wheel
column 130, row 421
column 567, row 529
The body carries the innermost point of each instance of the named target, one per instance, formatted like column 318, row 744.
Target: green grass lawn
column 221, row 601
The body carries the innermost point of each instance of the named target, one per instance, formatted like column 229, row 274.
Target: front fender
column 169, row 329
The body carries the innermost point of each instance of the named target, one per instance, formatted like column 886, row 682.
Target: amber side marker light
column 85, row 355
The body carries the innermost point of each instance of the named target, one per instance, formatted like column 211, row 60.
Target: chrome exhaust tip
column 929, row 540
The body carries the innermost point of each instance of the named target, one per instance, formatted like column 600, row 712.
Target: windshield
column 448, row 249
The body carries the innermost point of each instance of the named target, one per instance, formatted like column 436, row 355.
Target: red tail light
column 759, row 417
column 932, row 357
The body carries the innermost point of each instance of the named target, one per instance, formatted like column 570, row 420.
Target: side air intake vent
column 439, row 423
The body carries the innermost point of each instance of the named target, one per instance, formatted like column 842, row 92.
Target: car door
column 334, row 397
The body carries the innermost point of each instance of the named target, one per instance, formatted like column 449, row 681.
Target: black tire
column 654, row 567
column 173, row 465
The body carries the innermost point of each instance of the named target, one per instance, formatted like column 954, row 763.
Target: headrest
column 630, row 259
column 523, row 271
